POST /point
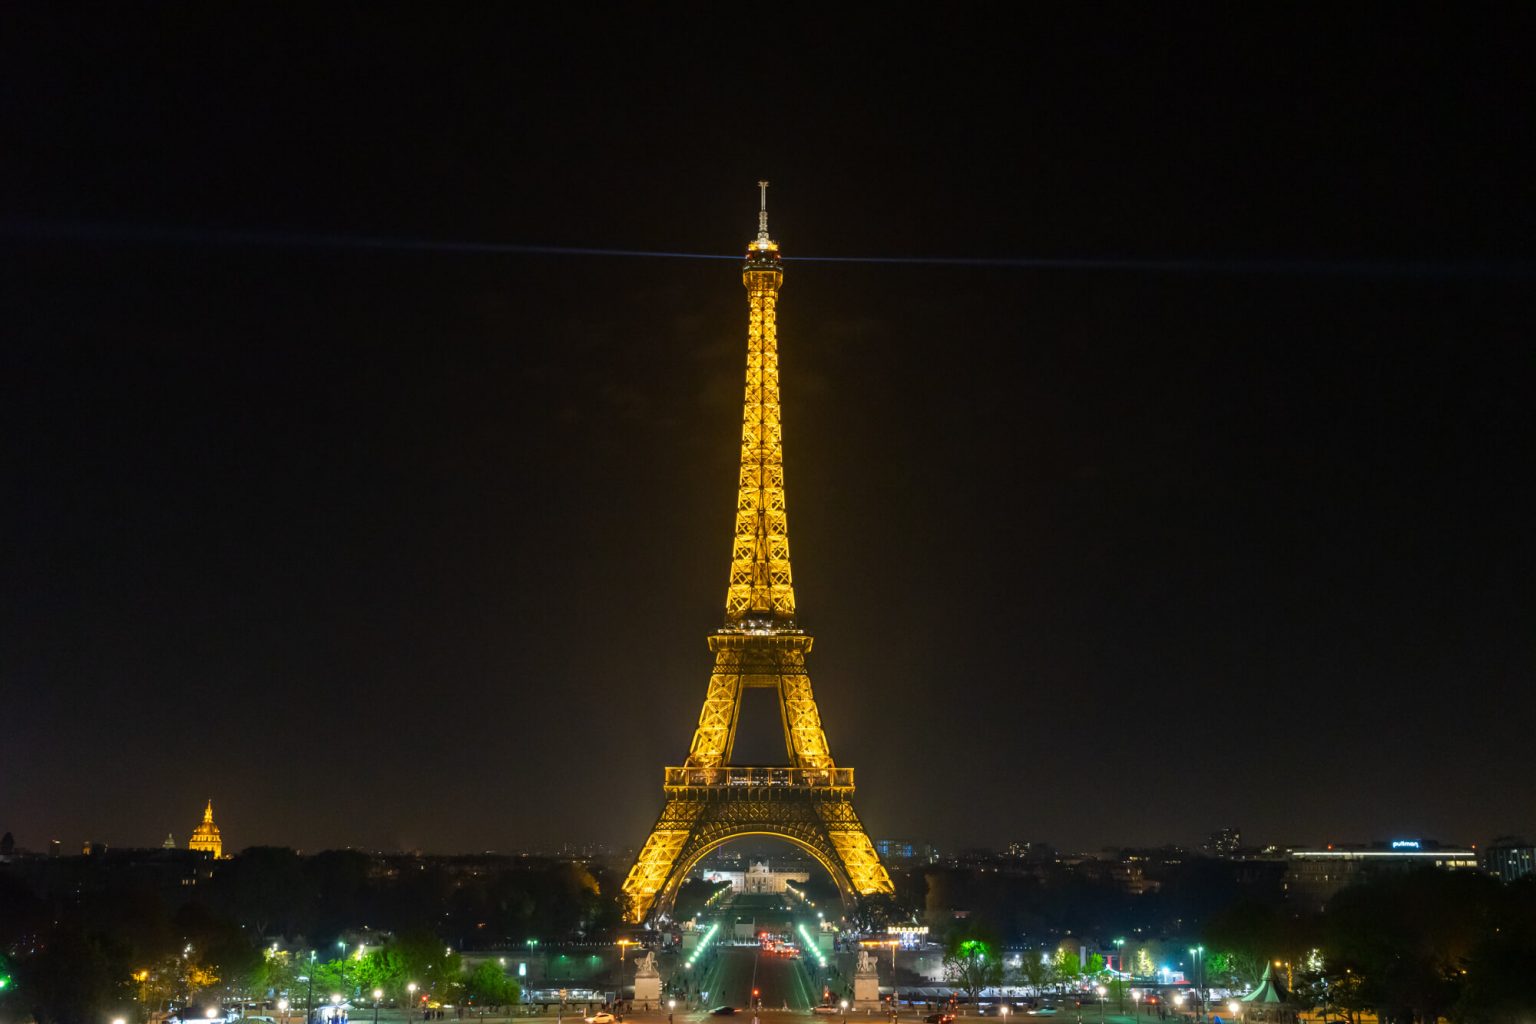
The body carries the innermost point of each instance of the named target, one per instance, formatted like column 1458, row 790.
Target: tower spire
column 762, row 216
column 761, row 590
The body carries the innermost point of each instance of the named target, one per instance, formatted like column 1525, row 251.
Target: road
column 780, row 980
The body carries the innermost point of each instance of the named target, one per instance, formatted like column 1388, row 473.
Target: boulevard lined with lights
column 704, row 942
column 811, row 947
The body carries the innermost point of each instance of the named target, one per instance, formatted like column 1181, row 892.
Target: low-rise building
column 1509, row 857
column 1313, row 876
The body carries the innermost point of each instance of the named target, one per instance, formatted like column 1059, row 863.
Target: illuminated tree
column 973, row 965
column 488, row 985
column 1065, row 968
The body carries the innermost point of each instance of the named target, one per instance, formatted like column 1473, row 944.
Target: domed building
column 205, row 838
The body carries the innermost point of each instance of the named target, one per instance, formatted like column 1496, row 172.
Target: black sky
column 402, row 548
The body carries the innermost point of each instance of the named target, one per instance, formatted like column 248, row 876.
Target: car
column 1044, row 1011
column 722, row 1011
column 601, row 1017
column 824, row 1008
column 939, row 1018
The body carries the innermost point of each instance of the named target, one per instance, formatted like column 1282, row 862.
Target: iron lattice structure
column 809, row 800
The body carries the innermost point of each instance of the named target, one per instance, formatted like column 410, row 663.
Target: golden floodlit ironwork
column 809, row 801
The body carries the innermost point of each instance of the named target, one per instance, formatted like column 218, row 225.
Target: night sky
column 396, row 547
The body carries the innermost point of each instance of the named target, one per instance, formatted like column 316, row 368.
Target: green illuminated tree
column 335, row 977
column 488, row 985
column 436, row 969
column 1065, row 968
column 973, row 964
column 382, row 969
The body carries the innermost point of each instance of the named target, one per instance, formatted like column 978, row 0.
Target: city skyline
column 382, row 541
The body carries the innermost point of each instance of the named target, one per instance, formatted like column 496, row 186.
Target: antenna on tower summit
column 762, row 213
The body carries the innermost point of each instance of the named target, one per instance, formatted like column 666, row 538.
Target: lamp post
column 309, row 995
column 335, row 1006
column 1002, row 1011
column 1135, row 1004
column 844, row 1005
column 1101, row 990
column 1120, row 966
column 282, row 1008
column 410, row 1000
column 378, row 994
column 1198, row 952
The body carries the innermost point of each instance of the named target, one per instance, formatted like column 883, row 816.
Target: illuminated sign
column 1405, row 844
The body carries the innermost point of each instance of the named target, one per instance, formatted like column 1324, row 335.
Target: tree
column 382, row 969
column 875, row 912
column 1401, row 944
column 1065, row 968
column 74, row 977
column 1033, row 971
column 1242, row 939
column 488, row 985
column 424, row 960
column 973, row 965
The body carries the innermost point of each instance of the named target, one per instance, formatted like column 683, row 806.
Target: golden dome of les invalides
column 205, row 837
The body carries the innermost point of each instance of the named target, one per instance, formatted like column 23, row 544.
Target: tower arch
column 667, row 898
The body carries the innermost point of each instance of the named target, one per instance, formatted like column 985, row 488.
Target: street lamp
column 1120, row 966
column 378, row 994
column 1101, row 991
column 309, row 995
column 1198, row 952
column 844, row 1005
column 282, row 1008
column 410, row 1001
column 1002, row 1011
column 1135, row 1003
column 1234, row 1008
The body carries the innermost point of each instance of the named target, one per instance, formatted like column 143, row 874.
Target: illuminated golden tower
column 807, row 801
column 205, row 837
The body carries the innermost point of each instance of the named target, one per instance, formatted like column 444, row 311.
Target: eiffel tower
column 807, row 801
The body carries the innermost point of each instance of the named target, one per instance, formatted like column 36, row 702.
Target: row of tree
column 1410, row 948
column 86, row 935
